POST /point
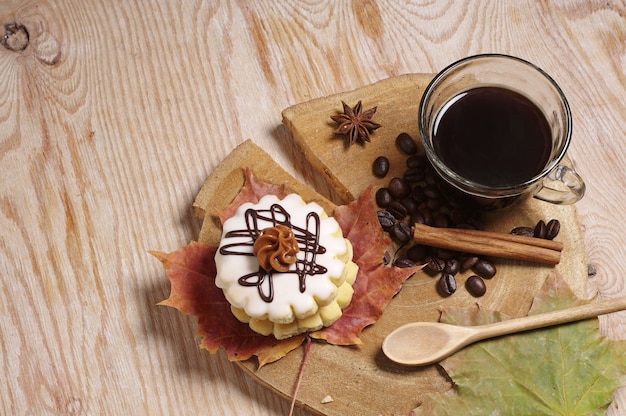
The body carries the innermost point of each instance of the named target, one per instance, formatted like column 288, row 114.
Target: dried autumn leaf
column 252, row 191
column 565, row 370
column 192, row 271
column 376, row 284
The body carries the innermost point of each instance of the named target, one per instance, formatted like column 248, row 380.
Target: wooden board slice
column 342, row 173
column 360, row 379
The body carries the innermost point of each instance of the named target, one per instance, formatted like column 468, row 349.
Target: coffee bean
column 417, row 252
column 416, row 162
column 445, row 209
column 552, row 229
column 414, row 174
column 386, row 219
column 417, row 193
column 452, row 266
column 397, row 210
column 432, row 192
column 399, row 188
column 475, row 286
column 434, row 265
column 540, row 230
column 469, row 262
column 383, row 197
column 404, row 262
column 401, row 232
column 458, row 216
column 435, row 204
column 484, row 269
column 440, row 220
column 525, row 231
column 446, row 285
column 444, row 254
column 410, row 205
column 427, row 214
column 380, row 167
column 406, row 144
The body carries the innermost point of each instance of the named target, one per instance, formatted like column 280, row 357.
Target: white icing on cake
column 288, row 303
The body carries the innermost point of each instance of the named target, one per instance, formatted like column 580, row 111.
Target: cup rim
column 474, row 187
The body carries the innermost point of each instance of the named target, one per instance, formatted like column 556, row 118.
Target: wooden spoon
column 421, row 343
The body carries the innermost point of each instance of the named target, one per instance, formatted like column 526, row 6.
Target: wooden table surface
column 112, row 114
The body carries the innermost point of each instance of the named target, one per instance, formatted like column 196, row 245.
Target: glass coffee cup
column 496, row 128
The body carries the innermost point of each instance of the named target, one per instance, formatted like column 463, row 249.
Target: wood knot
column 591, row 271
column 47, row 48
column 15, row 37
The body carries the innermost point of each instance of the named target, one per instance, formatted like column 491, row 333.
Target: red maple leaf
column 376, row 284
column 252, row 191
column 192, row 271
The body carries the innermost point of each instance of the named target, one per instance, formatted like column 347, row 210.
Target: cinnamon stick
column 489, row 243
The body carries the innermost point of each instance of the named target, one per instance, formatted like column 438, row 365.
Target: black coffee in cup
column 495, row 129
column 493, row 136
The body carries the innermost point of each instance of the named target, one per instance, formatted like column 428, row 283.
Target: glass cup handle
column 562, row 186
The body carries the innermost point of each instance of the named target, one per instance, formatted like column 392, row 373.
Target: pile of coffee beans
column 415, row 198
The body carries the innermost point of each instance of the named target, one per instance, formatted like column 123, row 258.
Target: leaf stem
column 301, row 373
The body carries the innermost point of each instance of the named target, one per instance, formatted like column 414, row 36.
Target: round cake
column 284, row 266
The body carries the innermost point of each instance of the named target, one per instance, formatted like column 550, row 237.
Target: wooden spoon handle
column 575, row 313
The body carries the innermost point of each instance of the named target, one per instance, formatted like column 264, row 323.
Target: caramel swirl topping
column 276, row 248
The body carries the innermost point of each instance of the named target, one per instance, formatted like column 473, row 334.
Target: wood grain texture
column 115, row 113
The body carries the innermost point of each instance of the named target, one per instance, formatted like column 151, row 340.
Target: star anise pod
column 355, row 124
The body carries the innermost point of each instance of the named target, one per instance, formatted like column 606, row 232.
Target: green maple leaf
column 564, row 370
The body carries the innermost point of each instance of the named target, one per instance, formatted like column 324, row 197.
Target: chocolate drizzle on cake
column 308, row 243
